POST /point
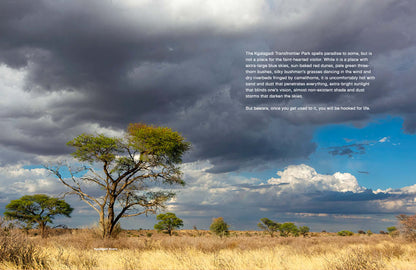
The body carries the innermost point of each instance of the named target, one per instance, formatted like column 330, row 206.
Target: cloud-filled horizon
column 70, row 67
column 298, row 193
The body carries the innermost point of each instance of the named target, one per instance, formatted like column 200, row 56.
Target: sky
column 72, row 67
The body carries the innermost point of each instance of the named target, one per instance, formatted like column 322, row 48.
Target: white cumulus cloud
column 303, row 178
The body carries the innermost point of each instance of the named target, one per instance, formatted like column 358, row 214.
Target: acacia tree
column 131, row 170
column 37, row 209
column 269, row 226
column 288, row 228
column 168, row 222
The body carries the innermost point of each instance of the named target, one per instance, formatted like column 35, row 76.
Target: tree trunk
column 108, row 229
column 110, row 218
column 42, row 227
column 103, row 224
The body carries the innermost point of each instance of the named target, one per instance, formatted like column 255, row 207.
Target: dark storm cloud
column 385, row 28
column 144, row 64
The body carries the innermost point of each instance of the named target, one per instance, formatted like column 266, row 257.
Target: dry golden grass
column 82, row 249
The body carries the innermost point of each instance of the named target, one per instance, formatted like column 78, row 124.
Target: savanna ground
column 84, row 249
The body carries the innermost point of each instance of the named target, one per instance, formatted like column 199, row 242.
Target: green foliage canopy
column 345, row 233
column 37, row 209
column 391, row 229
column 304, row 230
column 289, row 228
column 168, row 222
column 269, row 226
column 219, row 227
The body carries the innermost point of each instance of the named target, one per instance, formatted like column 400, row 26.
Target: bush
column 393, row 232
column 345, row 233
column 219, row 227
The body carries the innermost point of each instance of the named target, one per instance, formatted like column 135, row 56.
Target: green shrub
column 219, row 227
column 345, row 233
column 392, row 231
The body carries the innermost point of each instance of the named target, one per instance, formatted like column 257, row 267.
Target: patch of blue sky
column 382, row 155
column 386, row 161
column 77, row 171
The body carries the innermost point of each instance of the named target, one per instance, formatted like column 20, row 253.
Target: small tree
column 219, row 227
column 304, row 230
column 269, row 226
column 289, row 228
column 408, row 226
column 168, row 222
column 37, row 209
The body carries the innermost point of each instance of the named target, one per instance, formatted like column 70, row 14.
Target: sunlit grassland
column 83, row 249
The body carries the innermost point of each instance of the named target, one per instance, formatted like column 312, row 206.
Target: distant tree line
column 285, row 229
column 38, row 210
